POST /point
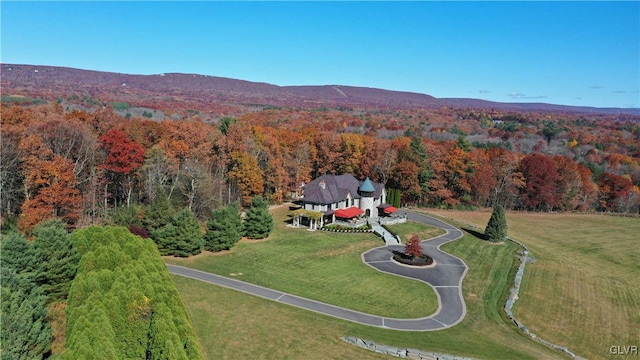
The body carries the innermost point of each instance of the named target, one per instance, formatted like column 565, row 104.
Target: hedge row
column 122, row 303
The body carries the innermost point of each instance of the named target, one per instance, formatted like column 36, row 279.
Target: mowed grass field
column 322, row 266
column 583, row 291
column 233, row 325
column 408, row 229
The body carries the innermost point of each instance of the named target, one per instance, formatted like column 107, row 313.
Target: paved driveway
column 445, row 278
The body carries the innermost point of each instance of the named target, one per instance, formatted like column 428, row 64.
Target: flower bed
column 346, row 229
column 424, row 260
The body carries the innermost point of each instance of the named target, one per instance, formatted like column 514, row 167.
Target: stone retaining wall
column 401, row 353
column 514, row 294
column 392, row 220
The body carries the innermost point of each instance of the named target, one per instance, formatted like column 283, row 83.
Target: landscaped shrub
column 123, row 304
column 423, row 260
column 140, row 231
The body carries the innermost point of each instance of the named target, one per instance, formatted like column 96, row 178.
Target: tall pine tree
column 158, row 213
column 224, row 229
column 56, row 258
column 258, row 221
column 496, row 230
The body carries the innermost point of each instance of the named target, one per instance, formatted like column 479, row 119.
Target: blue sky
column 574, row 53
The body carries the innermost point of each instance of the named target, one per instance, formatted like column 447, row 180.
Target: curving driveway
column 445, row 278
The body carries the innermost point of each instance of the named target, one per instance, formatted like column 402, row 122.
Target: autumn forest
column 79, row 165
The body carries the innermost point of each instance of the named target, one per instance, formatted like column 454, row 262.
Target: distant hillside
column 51, row 80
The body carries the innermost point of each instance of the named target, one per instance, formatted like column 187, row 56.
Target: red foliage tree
column 541, row 174
column 615, row 192
column 413, row 247
column 124, row 156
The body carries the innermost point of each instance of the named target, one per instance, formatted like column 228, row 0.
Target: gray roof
column 336, row 188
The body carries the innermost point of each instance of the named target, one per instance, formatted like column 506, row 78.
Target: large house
column 343, row 198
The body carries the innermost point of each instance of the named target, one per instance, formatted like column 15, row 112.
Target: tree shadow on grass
column 476, row 234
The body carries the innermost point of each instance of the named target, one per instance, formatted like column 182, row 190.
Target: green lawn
column 323, row 266
column 410, row 228
column 234, row 325
column 583, row 291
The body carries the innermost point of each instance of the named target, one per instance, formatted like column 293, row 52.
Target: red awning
column 348, row 213
column 390, row 209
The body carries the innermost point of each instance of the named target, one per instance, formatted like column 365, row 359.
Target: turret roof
column 367, row 186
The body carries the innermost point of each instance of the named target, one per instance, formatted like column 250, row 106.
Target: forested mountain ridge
column 48, row 80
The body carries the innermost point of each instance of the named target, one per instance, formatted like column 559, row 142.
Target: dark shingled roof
column 336, row 188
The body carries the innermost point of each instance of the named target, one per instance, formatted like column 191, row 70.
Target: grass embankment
column 583, row 290
column 232, row 325
column 322, row 266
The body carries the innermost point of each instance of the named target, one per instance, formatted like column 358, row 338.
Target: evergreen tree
column 496, row 230
column 17, row 254
column 397, row 198
column 56, row 259
column 24, row 330
column 181, row 237
column 224, row 229
column 127, row 215
column 258, row 221
column 159, row 213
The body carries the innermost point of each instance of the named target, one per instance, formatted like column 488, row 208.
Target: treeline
column 122, row 304
column 79, row 166
column 179, row 233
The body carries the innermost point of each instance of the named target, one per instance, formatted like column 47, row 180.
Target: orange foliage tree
column 246, row 175
column 52, row 193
